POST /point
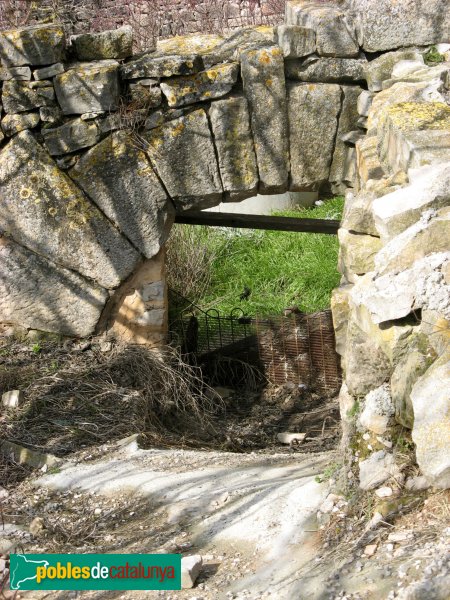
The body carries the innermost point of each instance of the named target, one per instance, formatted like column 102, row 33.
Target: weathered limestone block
column 390, row 336
column 230, row 121
column 116, row 43
column 138, row 311
column 366, row 365
column 335, row 31
column 43, row 210
column 396, row 295
column 327, row 70
column 413, row 134
column 358, row 214
column 430, row 398
column 70, row 137
column 38, row 294
column 378, row 468
column 381, row 68
column 146, row 93
column 356, row 253
column 207, row 85
column 89, row 87
column 15, row 73
column 313, row 120
column 367, row 160
column 416, row 359
column 118, row 177
column 22, row 96
column 377, row 410
column 12, row 124
column 49, row 72
column 365, row 100
column 265, row 89
column 190, row 44
column 429, row 189
column 183, row 152
column 157, row 65
column 348, row 121
column 51, row 114
column 437, row 329
column 295, row 41
column 340, row 309
column 405, row 67
column 430, row 234
column 35, row 45
column 386, row 25
column 431, row 75
column 402, row 92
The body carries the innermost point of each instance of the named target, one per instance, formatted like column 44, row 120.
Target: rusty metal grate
column 299, row 348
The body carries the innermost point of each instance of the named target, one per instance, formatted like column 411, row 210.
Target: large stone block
column 230, row 121
column 367, row 160
column 335, row 31
column 380, row 69
column 313, row 120
column 15, row 73
column 22, row 96
column 294, row 41
column 340, row 309
column 116, row 43
column 70, row 137
column 183, row 153
column 45, row 211
column 89, row 87
column 386, row 25
column 414, row 362
column 348, row 121
column 160, row 65
column 430, row 234
column 327, row 70
column 366, row 365
column 35, row 45
column 38, row 294
column 430, row 398
column 358, row 214
column 356, row 253
column 12, row 124
column 207, row 85
column 265, row 89
column 118, row 177
column 395, row 212
column 414, row 134
column 426, row 285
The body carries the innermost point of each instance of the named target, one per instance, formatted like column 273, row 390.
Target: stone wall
column 392, row 311
column 100, row 148
column 149, row 18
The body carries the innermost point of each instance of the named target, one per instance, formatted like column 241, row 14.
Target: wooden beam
column 238, row 221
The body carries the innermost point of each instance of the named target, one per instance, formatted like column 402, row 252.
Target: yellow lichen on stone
column 190, row 44
column 408, row 116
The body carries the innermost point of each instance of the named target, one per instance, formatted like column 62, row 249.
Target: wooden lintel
column 238, row 221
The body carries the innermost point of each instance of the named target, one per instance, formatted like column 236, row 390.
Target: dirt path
column 251, row 516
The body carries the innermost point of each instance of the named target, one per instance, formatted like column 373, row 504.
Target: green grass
column 282, row 269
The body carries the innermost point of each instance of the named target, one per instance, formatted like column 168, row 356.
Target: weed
column 354, row 410
column 328, row 473
column 433, row 57
column 36, row 348
column 281, row 269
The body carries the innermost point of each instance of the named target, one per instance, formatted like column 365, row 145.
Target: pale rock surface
column 327, row 70
column 295, row 41
column 375, row 470
column 263, row 78
column 116, row 43
column 313, row 121
column 190, row 570
column 34, row 45
column 378, row 410
column 119, row 178
column 430, row 398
